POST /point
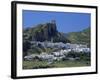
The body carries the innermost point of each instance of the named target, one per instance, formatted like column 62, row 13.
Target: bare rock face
column 44, row 32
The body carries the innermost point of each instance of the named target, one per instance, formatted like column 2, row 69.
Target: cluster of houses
column 58, row 55
column 54, row 56
column 58, row 45
column 66, row 46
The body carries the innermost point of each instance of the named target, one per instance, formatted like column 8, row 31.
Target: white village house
column 58, row 55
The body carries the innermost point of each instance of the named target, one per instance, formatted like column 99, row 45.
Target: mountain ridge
column 82, row 37
column 44, row 32
column 48, row 32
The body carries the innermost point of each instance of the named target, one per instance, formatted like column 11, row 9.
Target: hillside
column 44, row 32
column 48, row 32
column 82, row 37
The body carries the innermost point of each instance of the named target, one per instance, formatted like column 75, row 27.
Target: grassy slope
column 80, row 37
column 60, row 64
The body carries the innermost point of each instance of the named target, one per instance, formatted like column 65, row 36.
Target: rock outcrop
column 45, row 32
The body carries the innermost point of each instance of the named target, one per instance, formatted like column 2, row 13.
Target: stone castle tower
column 53, row 21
